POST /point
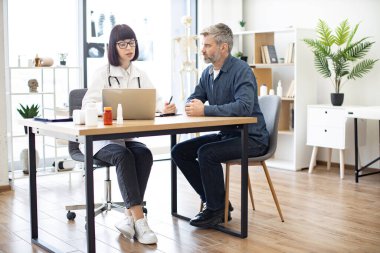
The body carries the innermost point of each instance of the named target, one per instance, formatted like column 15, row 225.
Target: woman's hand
column 169, row 108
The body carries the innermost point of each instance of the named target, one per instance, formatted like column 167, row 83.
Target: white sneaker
column 126, row 227
column 143, row 232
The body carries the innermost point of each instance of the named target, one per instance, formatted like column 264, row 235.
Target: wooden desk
column 363, row 112
column 132, row 128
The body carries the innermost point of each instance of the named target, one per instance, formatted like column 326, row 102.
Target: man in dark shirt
column 229, row 86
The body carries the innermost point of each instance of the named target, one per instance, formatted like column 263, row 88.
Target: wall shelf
column 291, row 153
column 54, row 84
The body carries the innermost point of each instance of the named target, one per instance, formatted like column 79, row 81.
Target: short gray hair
column 221, row 33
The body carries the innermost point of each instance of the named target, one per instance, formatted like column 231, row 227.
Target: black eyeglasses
column 124, row 44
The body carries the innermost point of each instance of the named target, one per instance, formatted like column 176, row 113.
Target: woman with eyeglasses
column 133, row 160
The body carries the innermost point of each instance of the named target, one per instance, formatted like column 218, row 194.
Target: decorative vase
column 244, row 58
column 337, row 99
column 63, row 63
column 24, row 159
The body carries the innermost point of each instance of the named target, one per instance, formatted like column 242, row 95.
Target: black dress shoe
column 230, row 209
column 207, row 218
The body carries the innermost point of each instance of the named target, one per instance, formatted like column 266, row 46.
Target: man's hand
column 195, row 108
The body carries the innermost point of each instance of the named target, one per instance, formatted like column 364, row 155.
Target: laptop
column 136, row 103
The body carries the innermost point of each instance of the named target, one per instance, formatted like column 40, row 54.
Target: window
column 153, row 32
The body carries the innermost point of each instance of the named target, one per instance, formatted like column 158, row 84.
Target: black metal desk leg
column 356, row 150
column 90, row 213
column 173, row 141
column 33, row 185
column 244, row 182
column 33, row 195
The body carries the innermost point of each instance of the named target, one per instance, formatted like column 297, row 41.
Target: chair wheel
column 71, row 215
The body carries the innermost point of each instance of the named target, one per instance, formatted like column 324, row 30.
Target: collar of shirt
column 118, row 71
column 226, row 65
column 216, row 73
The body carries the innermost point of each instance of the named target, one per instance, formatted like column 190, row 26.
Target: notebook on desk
column 136, row 103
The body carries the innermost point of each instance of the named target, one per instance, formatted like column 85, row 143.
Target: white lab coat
column 127, row 79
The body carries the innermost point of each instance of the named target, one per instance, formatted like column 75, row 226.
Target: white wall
column 3, row 115
column 229, row 12
column 211, row 12
column 277, row 14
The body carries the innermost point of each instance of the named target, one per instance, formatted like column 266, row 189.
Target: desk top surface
column 131, row 126
column 354, row 111
column 364, row 112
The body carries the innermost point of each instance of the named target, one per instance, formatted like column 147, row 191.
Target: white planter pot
column 24, row 159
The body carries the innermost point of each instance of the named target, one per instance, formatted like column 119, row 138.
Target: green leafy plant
column 238, row 54
column 335, row 55
column 242, row 23
column 29, row 112
column 62, row 56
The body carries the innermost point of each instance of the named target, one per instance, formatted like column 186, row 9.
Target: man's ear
column 225, row 47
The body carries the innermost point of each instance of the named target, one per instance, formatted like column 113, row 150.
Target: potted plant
column 242, row 24
column 336, row 55
column 28, row 112
column 241, row 56
column 62, row 58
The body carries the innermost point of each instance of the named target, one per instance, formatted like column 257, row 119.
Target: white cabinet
column 54, row 84
column 326, row 127
column 292, row 152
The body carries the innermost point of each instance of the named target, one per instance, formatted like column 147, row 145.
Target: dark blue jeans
column 200, row 160
column 133, row 165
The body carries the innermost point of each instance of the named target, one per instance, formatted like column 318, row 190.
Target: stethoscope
column 117, row 80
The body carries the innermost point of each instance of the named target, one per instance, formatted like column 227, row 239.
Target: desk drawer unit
column 326, row 126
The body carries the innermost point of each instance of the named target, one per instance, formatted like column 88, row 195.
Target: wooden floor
column 322, row 214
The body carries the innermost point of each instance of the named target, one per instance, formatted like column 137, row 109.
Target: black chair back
column 75, row 102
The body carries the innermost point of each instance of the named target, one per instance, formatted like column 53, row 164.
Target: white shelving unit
column 292, row 152
column 52, row 97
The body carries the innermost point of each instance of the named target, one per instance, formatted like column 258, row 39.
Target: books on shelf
column 290, row 53
column 268, row 54
column 291, row 92
column 263, row 58
column 272, row 54
column 291, row 117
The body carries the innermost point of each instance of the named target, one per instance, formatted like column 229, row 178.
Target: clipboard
column 53, row 120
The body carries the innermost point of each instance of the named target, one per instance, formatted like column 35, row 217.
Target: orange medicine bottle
column 107, row 116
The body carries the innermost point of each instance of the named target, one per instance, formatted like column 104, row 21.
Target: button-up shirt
column 232, row 93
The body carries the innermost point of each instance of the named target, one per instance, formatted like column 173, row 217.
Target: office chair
column 75, row 102
column 270, row 107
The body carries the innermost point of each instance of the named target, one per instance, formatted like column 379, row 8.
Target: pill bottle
column 263, row 90
column 107, row 116
column 91, row 115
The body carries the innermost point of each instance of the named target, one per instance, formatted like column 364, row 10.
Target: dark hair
column 120, row 32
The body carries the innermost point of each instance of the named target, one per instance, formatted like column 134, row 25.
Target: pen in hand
column 170, row 113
